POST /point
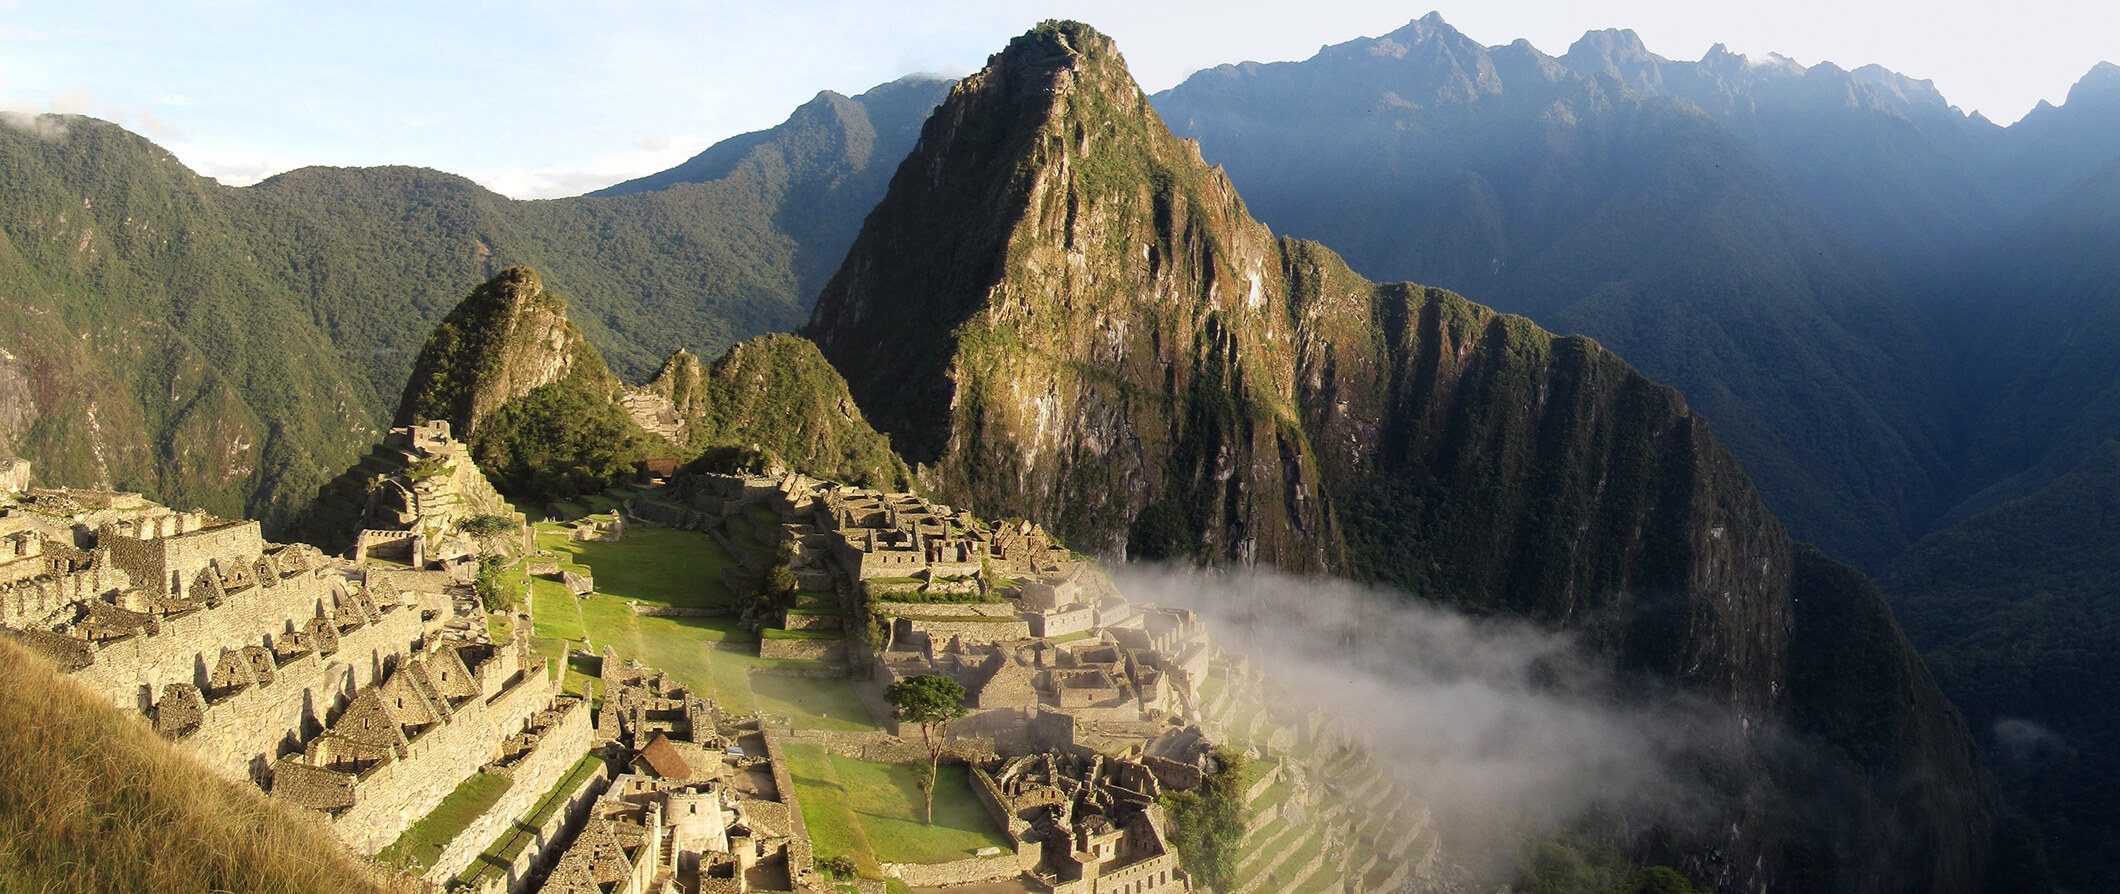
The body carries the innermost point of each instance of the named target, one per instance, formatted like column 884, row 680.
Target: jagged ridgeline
column 232, row 348
column 1060, row 311
column 547, row 420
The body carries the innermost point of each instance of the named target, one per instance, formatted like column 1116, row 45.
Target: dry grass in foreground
column 92, row 800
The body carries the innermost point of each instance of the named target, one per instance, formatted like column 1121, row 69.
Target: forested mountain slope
column 1632, row 217
column 1061, row 311
column 230, row 348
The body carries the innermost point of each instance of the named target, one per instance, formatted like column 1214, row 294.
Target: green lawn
column 815, row 704
column 664, row 566
column 872, row 811
column 422, row 844
column 887, row 799
column 686, row 647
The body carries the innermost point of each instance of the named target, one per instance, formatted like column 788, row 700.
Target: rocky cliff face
column 776, row 394
column 506, row 338
column 1060, row 311
column 515, row 379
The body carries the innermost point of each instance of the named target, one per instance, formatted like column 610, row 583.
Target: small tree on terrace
column 932, row 702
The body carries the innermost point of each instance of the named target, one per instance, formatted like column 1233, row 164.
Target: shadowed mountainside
column 1061, row 311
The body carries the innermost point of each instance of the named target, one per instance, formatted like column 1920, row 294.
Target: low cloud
column 1502, row 728
column 159, row 129
column 50, row 127
column 74, row 102
column 2021, row 741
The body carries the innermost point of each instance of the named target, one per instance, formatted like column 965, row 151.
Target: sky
column 539, row 99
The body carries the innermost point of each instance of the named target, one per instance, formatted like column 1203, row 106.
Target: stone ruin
column 329, row 685
column 1083, row 823
column 696, row 811
column 405, row 502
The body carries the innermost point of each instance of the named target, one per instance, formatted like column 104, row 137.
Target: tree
column 932, row 702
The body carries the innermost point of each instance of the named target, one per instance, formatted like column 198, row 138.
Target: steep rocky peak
column 1607, row 49
column 1617, row 53
column 504, row 339
column 2099, row 85
column 1426, row 58
column 1901, row 90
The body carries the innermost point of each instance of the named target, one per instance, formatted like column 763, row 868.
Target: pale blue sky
column 538, row 98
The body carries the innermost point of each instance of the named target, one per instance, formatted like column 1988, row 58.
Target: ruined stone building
column 700, row 810
column 407, row 500
column 236, row 648
column 402, row 745
column 331, row 687
column 1083, row 823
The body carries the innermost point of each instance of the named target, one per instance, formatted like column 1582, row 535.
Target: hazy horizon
column 240, row 90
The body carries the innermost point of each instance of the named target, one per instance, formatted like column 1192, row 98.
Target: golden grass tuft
column 92, row 800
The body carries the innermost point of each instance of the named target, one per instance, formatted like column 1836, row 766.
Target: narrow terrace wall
column 397, row 794
column 801, row 863
column 558, row 749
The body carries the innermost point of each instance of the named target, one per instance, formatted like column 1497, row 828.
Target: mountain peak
column 2101, row 82
column 506, row 338
column 1618, row 52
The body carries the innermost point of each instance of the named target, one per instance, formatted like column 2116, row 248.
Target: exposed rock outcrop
column 506, row 338
column 1061, row 312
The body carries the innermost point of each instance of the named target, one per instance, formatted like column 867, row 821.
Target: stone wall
column 185, row 646
column 999, row 610
column 240, row 734
column 995, row 630
column 541, row 851
column 1073, row 619
column 39, row 591
column 803, row 649
column 957, row 872
column 799, row 621
column 164, row 555
column 392, row 796
column 558, row 749
column 801, row 863
column 1157, row 873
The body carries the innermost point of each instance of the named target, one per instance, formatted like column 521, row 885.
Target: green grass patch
column 887, row 800
column 814, row 612
column 422, row 844
column 872, row 811
column 814, row 703
column 1076, row 636
column 663, row 566
column 834, row 829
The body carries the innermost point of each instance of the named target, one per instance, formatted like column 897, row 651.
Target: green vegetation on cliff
column 547, row 421
column 776, row 393
column 2015, row 609
column 234, row 348
column 1064, row 313
column 91, row 800
column 562, row 440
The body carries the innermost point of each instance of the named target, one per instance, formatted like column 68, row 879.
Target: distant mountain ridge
column 1061, row 311
column 1896, row 314
column 1502, row 174
column 242, row 345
